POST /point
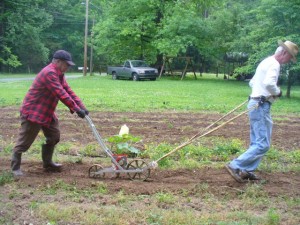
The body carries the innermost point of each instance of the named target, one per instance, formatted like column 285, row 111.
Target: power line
column 54, row 23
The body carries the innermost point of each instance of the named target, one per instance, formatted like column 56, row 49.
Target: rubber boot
column 16, row 164
column 48, row 164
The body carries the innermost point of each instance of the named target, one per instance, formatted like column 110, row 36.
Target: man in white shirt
column 264, row 91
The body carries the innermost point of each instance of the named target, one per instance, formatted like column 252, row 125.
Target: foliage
column 295, row 156
column 8, row 58
column 143, row 29
column 193, row 155
column 273, row 217
column 128, row 36
column 165, row 198
column 196, row 155
column 180, row 23
column 243, row 72
column 122, row 144
column 6, row 177
column 267, row 23
column 293, row 78
column 23, row 31
column 254, row 191
column 224, row 22
column 32, row 41
column 90, row 150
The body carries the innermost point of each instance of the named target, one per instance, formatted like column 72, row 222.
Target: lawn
column 207, row 93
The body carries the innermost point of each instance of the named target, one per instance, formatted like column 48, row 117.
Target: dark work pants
column 29, row 131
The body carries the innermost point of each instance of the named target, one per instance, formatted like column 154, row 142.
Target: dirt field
column 169, row 127
column 155, row 128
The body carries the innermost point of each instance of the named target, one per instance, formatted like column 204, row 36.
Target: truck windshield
column 138, row 63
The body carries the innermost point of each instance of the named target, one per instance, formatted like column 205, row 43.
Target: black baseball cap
column 64, row 55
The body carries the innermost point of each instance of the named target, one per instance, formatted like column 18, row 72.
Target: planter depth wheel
column 93, row 171
column 138, row 164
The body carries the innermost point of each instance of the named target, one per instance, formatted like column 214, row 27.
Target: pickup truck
column 133, row 69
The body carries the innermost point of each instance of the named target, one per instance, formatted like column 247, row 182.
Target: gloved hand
column 86, row 111
column 81, row 113
column 280, row 94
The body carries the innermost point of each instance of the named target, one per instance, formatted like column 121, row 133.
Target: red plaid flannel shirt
column 47, row 89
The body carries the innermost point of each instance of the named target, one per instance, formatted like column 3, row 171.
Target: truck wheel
column 114, row 76
column 135, row 77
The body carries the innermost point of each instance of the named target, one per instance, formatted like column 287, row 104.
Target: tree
column 34, row 29
column 67, row 29
column 126, row 30
column 23, row 30
column 271, row 20
column 147, row 29
column 8, row 59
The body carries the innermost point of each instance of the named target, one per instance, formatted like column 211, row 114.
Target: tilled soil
column 169, row 127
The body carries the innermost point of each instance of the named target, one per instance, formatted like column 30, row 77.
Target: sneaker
column 235, row 173
column 249, row 176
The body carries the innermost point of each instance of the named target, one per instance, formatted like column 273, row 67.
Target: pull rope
column 201, row 134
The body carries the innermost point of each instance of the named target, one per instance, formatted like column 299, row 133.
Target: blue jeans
column 260, row 137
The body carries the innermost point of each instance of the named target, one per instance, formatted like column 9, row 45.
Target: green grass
column 207, row 93
column 16, row 75
column 6, row 177
column 199, row 155
column 162, row 208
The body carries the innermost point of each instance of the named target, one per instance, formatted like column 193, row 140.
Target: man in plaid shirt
column 38, row 111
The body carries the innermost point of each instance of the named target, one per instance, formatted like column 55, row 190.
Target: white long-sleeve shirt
column 264, row 81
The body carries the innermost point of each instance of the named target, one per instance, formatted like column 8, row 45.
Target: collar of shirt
column 54, row 66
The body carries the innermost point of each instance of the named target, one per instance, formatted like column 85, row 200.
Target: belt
column 259, row 99
column 255, row 98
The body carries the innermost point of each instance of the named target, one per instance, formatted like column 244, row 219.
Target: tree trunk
column 28, row 69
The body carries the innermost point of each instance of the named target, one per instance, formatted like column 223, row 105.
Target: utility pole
column 91, row 57
column 85, row 37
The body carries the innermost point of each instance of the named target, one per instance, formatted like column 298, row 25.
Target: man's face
column 63, row 66
column 286, row 58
